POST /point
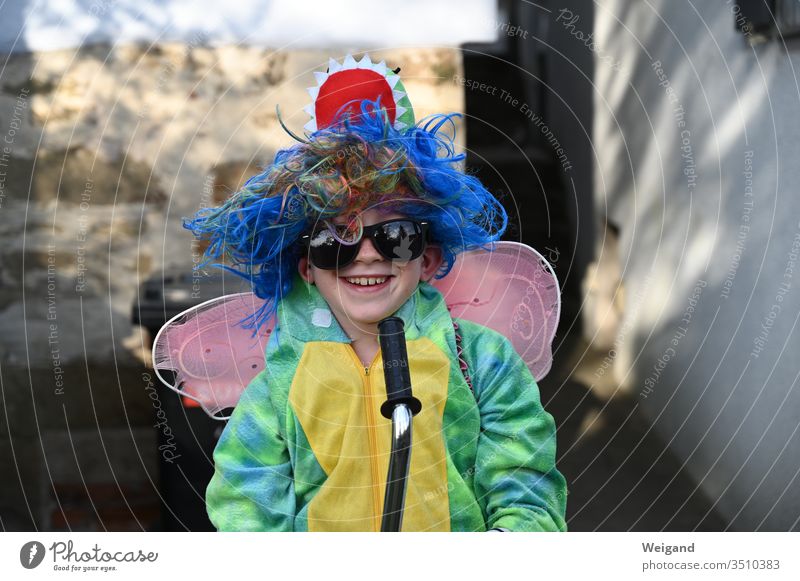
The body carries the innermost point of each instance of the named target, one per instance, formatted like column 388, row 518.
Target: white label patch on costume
column 321, row 318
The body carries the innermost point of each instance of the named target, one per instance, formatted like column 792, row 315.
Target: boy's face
column 358, row 307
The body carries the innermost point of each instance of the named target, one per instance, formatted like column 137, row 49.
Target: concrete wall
column 697, row 141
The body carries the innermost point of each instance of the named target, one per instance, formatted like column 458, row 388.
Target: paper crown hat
column 341, row 89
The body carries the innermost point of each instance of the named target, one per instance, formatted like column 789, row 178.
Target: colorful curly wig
column 342, row 170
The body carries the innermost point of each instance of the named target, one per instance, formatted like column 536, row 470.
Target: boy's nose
column 367, row 252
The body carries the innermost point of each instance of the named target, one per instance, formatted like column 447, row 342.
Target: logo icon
column 31, row 554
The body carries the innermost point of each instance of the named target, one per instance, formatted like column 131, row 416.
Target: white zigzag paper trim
column 349, row 63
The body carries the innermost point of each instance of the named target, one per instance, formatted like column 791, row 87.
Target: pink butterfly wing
column 213, row 357
column 512, row 290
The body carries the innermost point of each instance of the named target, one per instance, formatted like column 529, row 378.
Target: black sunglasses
column 398, row 239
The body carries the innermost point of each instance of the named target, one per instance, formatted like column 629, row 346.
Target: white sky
column 292, row 24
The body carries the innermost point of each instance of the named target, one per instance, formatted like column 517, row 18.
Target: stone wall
column 102, row 152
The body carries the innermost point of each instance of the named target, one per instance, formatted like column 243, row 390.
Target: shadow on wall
column 695, row 168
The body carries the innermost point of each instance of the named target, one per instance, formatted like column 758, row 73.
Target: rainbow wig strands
column 342, row 170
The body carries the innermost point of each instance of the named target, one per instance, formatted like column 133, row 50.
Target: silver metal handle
column 399, row 462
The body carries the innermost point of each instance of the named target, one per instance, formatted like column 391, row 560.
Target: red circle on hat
column 349, row 88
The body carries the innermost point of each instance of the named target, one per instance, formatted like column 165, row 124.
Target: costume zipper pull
column 366, row 371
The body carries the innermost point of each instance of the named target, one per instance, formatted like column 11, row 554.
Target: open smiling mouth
column 367, row 283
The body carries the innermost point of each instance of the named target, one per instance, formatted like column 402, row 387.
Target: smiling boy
column 371, row 287
column 341, row 231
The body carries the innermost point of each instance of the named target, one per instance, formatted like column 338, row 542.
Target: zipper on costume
column 372, row 437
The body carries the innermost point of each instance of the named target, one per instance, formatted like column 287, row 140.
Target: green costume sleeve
column 516, row 481
column 252, row 488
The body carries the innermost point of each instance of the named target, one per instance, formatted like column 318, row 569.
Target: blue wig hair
column 345, row 169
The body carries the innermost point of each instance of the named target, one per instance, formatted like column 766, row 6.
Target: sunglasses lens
column 327, row 253
column 348, row 234
column 400, row 240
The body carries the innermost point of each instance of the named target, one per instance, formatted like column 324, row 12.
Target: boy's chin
column 368, row 316
column 370, row 320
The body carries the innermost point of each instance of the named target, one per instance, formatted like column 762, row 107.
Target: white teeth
column 366, row 281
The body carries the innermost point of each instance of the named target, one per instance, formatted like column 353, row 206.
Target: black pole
column 400, row 406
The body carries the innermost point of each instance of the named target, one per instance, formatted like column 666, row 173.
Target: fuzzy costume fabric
column 307, row 449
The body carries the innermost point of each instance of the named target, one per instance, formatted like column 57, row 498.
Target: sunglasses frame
column 367, row 232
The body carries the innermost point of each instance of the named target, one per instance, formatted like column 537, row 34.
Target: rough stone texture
column 102, row 152
column 110, row 148
column 77, row 175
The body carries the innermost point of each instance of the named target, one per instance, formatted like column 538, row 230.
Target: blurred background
column 647, row 150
